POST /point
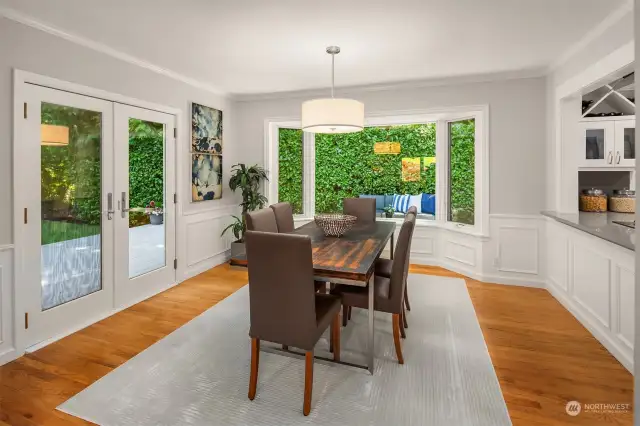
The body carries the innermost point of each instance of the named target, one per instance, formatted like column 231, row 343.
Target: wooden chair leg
column 345, row 310
column 403, row 334
column 349, row 314
column 404, row 318
column 335, row 337
column 396, row 337
column 406, row 298
column 308, row 382
column 285, row 347
column 255, row 360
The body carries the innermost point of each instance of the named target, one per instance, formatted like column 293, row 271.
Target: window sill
column 426, row 223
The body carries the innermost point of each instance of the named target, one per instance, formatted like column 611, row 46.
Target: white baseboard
column 9, row 355
column 625, row 358
column 206, row 264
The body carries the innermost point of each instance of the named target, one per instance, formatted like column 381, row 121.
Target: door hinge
column 175, row 198
column 175, row 133
column 26, row 217
column 175, row 263
column 26, row 320
column 25, row 110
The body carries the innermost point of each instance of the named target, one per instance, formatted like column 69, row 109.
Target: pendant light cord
column 333, row 72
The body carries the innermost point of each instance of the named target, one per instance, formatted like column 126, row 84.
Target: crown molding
column 400, row 85
column 612, row 19
column 29, row 21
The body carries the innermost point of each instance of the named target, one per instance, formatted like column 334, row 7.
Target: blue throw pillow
column 401, row 203
column 428, row 204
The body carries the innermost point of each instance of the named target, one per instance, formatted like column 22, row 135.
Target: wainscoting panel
column 625, row 285
column 557, row 256
column 592, row 282
column 460, row 252
column 7, row 346
column 518, row 249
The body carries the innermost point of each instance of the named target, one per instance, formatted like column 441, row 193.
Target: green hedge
column 346, row 165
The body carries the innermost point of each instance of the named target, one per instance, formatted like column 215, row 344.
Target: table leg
column 392, row 234
column 371, row 331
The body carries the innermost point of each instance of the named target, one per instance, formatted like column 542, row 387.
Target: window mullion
column 309, row 174
column 442, row 171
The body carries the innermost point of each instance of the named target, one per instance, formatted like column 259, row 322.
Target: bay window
column 435, row 161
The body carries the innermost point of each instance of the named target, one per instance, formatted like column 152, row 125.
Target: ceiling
column 263, row 46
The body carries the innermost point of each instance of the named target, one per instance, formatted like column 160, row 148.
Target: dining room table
column 350, row 260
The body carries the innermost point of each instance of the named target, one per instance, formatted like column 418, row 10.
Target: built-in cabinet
column 607, row 143
column 595, row 280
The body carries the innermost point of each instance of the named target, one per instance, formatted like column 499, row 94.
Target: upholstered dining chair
column 263, row 220
column 284, row 308
column 362, row 208
column 284, row 216
column 388, row 291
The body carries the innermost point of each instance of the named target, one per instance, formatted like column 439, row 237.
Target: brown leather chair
column 362, row 208
column 263, row 220
column 412, row 210
column 388, row 292
column 284, row 307
column 284, row 216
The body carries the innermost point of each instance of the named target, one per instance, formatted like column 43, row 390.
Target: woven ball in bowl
column 335, row 225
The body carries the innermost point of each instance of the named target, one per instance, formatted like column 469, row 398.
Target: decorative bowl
column 335, row 225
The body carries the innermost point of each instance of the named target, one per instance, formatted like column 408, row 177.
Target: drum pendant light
column 332, row 115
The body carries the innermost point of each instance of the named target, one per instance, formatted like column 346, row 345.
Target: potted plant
column 248, row 180
column 156, row 215
column 389, row 211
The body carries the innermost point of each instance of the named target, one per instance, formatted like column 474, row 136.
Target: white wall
column 21, row 47
column 517, row 130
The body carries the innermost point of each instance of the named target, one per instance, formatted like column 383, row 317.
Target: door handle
column 110, row 210
column 125, row 206
column 609, row 161
column 618, row 157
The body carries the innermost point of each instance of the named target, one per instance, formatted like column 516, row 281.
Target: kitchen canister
column 593, row 200
column 623, row 201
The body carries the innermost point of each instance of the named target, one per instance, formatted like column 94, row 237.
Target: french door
column 96, row 187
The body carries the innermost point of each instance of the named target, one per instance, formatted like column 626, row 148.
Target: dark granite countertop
column 601, row 225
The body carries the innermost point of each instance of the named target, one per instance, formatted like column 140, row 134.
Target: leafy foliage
column 290, row 168
column 248, row 180
column 346, row 166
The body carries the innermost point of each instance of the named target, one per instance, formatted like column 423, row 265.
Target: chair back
column 263, row 220
column 412, row 210
column 400, row 265
column 362, row 208
column 284, row 216
column 281, row 288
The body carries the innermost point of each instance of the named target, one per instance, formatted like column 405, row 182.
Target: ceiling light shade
column 332, row 115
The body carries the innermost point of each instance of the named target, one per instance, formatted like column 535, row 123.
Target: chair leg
column 335, row 337
column 285, row 347
column 404, row 318
column 308, row 382
column 349, row 313
column 406, row 298
column 345, row 310
column 403, row 334
column 255, row 360
column 396, row 337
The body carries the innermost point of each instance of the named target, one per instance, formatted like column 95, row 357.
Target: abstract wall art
column 206, row 129
column 206, row 177
column 206, row 153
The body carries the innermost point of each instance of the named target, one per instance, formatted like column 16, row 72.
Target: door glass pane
column 70, row 203
column 629, row 143
column 594, row 144
column 462, row 158
column 147, row 197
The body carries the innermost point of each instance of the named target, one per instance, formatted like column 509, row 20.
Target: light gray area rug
column 199, row 374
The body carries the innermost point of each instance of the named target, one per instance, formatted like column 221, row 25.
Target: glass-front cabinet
column 607, row 143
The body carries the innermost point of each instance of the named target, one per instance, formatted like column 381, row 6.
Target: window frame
column 442, row 117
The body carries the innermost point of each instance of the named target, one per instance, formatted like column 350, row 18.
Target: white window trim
column 442, row 116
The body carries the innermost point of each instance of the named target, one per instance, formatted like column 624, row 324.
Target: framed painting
column 206, row 129
column 206, row 177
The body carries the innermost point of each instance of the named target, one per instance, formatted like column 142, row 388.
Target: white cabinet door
column 625, row 143
column 596, row 147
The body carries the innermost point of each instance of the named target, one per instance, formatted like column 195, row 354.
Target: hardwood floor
column 543, row 357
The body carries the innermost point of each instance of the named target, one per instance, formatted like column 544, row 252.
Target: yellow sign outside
column 386, row 148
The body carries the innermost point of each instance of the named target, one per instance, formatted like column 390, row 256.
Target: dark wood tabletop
column 350, row 257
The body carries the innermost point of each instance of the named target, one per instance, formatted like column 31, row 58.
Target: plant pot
column 388, row 214
column 156, row 219
column 237, row 248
